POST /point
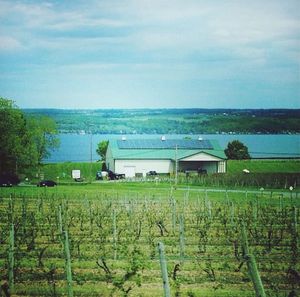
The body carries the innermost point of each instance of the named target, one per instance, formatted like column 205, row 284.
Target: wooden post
column 68, row 265
column 252, row 267
column 295, row 218
column 11, row 209
column 90, row 217
column 294, row 239
column 60, row 224
column 209, row 209
column 254, row 275
column 232, row 213
column 280, row 203
column 11, row 259
column 181, row 237
column 24, row 212
column 114, row 235
column 254, row 212
column 164, row 270
column 173, row 215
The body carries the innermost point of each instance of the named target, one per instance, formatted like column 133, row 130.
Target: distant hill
column 174, row 121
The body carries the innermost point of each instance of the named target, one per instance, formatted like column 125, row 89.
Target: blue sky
column 151, row 53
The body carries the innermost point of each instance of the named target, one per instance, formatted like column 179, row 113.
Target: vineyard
column 115, row 243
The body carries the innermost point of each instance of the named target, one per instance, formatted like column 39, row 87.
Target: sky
column 150, row 53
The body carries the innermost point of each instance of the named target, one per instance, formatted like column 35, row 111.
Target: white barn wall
column 143, row 166
column 110, row 162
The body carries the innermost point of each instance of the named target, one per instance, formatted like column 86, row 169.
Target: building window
column 221, row 167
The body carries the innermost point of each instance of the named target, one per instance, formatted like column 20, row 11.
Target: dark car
column 202, row 171
column 152, row 172
column 114, row 176
column 47, row 183
column 79, row 180
column 99, row 175
column 9, row 180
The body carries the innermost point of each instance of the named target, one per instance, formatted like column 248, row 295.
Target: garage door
column 129, row 171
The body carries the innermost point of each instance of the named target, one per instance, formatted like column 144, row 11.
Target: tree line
column 170, row 121
column 24, row 140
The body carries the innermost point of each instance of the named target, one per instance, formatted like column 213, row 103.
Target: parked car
column 47, row 183
column 9, row 180
column 99, row 175
column 78, row 180
column 152, row 172
column 114, row 176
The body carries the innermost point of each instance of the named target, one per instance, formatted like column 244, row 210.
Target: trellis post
column 11, row 259
column 68, row 264
column 164, row 270
column 251, row 265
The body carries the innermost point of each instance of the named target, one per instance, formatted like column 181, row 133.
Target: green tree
column 101, row 151
column 16, row 150
column 24, row 142
column 44, row 136
column 102, row 148
column 236, row 150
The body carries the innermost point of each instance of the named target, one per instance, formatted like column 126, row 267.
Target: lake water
column 77, row 148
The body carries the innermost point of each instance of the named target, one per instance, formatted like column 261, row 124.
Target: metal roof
column 164, row 144
column 119, row 150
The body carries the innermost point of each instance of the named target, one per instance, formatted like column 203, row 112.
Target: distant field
column 263, row 173
column 64, row 170
column 172, row 121
column 264, row 166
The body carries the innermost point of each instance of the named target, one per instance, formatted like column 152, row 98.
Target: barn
column 134, row 157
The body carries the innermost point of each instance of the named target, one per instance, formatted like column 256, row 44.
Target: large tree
column 24, row 141
column 236, row 150
column 101, row 151
column 44, row 136
column 102, row 148
column 15, row 144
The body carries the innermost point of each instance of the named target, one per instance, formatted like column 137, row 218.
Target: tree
column 101, row 151
column 102, row 148
column 44, row 135
column 236, row 150
column 24, row 141
column 16, row 150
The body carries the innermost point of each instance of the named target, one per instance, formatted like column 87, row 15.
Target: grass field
column 263, row 173
column 114, row 228
column 264, row 166
column 63, row 170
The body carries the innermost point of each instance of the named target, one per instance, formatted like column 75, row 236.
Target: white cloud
column 137, row 43
column 8, row 43
column 153, row 25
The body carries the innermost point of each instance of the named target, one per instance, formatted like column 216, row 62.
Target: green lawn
column 264, row 166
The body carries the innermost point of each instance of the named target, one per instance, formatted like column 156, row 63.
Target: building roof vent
column 123, row 138
column 163, row 138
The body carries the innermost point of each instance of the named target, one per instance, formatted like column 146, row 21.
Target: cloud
column 8, row 43
column 177, row 26
column 193, row 44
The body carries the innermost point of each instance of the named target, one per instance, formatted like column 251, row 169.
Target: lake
column 77, row 148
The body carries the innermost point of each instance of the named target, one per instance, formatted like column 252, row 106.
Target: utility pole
column 88, row 130
column 176, row 166
column 91, row 151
